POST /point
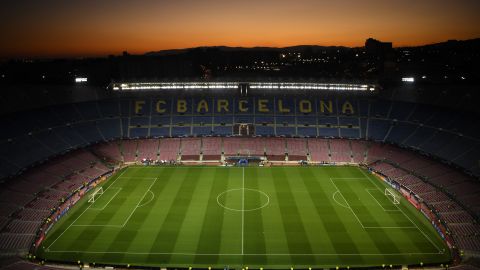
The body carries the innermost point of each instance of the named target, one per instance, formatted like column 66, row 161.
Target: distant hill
column 313, row 48
column 298, row 48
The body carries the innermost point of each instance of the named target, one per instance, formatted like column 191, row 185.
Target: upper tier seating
column 51, row 131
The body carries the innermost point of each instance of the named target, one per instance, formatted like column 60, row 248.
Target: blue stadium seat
column 222, row 130
column 88, row 110
column 420, row 135
column 285, row 131
column 377, row 129
column 181, row 131
column 138, row 132
column 307, row 131
column 160, row 132
column 109, row 128
column 345, row 121
column 264, row 130
column 88, row 131
column 226, row 119
column 352, row 133
column 52, row 141
column 109, row 108
column 139, row 121
column 328, row 132
column 160, row 120
column 380, row 108
column 401, row 110
column 306, row 120
column 200, row 131
column 70, row 136
column 400, row 132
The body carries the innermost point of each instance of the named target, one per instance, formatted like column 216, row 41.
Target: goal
column 95, row 194
column 395, row 198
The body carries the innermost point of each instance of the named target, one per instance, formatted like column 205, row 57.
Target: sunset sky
column 58, row 28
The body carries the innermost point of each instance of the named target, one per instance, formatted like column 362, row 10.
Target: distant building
column 382, row 55
column 376, row 47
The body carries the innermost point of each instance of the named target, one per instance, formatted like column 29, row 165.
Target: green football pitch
column 276, row 217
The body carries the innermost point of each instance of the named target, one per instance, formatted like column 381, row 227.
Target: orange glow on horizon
column 99, row 28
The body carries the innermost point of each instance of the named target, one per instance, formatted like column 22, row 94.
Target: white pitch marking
column 102, row 208
column 422, row 232
column 134, row 209
column 246, row 254
column 334, row 198
column 349, row 178
column 390, row 227
column 137, row 177
column 243, row 202
column 349, row 207
column 96, row 225
column 83, row 212
column 386, row 210
column 153, row 197
column 244, row 210
column 123, row 225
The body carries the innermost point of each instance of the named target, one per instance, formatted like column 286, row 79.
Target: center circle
column 243, row 199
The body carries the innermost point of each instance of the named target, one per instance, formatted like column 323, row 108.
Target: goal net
column 95, row 194
column 394, row 198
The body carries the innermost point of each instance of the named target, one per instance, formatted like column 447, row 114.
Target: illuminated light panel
column 408, row 79
column 314, row 86
column 137, row 86
column 174, row 85
column 81, row 80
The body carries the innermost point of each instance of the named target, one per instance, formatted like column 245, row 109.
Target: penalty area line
column 103, row 208
column 138, row 204
column 83, row 212
column 247, row 254
column 243, row 203
column 401, row 210
column 385, row 210
column 348, row 205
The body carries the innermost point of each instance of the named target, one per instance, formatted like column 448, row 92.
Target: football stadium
column 240, row 174
column 242, row 135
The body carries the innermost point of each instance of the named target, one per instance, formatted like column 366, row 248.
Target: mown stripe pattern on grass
column 173, row 216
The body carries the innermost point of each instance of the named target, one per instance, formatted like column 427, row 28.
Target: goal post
column 395, row 199
column 95, row 194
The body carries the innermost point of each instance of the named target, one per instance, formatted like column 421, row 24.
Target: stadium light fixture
column 81, row 79
column 408, row 79
column 139, row 86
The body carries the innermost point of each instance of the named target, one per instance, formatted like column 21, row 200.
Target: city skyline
column 54, row 28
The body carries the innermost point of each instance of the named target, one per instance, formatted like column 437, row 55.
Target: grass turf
column 275, row 217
